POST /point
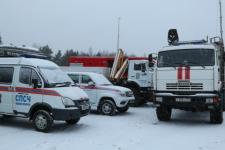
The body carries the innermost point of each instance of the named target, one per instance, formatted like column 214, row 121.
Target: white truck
column 190, row 76
column 104, row 97
column 135, row 73
column 37, row 89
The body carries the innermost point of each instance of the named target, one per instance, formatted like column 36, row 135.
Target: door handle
column 11, row 88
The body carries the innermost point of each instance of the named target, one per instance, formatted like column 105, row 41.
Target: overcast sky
column 81, row 24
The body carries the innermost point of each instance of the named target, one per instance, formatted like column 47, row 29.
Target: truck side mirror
column 150, row 61
column 35, row 83
column 91, row 83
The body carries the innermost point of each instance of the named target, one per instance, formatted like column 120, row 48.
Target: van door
column 91, row 90
column 25, row 95
column 6, row 89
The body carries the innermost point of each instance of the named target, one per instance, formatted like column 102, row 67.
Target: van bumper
column 68, row 114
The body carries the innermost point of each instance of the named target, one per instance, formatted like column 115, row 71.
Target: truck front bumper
column 67, row 114
column 201, row 102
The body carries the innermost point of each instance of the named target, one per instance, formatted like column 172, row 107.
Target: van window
column 74, row 77
column 86, row 79
column 6, row 74
column 27, row 74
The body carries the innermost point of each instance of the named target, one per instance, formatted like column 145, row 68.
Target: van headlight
column 67, row 101
column 123, row 94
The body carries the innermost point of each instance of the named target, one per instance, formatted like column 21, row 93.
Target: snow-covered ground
column 138, row 129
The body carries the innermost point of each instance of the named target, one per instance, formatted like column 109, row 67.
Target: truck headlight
column 67, row 101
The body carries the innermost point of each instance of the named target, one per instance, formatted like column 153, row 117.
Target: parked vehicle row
column 188, row 76
column 35, row 88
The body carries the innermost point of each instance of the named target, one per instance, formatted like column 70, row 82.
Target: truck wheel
column 138, row 101
column 216, row 117
column 123, row 109
column 163, row 113
column 42, row 121
column 107, row 107
column 72, row 121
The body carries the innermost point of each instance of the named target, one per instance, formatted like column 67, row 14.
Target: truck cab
column 140, row 73
column 37, row 89
column 188, row 77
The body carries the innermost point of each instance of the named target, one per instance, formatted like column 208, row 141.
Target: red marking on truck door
column 187, row 73
column 179, row 73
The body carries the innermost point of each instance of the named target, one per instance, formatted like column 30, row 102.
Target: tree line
column 62, row 58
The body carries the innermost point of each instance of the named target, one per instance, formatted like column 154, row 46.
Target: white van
column 37, row 89
column 104, row 96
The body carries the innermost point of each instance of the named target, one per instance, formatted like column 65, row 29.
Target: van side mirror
column 91, row 83
column 35, row 83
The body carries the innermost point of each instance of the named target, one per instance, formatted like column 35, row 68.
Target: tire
column 7, row 116
column 73, row 121
column 138, row 99
column 163, row 113
column 42, row 121
column 107, row 107
column 216, row 117
column 123, row 109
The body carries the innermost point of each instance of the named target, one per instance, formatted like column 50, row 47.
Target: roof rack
column 190, row 42
column 13, row 51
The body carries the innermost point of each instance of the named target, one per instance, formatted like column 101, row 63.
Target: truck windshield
column 55, row 77
column 187, row 57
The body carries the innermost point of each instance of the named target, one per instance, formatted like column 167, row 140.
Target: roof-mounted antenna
column 118, row 37
column 221, row 21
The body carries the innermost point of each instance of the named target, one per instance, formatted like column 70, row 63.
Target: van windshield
column 100, row 79
column 186, row 57
column 55, row 77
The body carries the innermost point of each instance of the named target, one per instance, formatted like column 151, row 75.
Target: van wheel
column 7, row 116
column 216, row 117
column 73, row 121
column 42, row 121
column 123, row 109
column 107, row 107
column 163, row 113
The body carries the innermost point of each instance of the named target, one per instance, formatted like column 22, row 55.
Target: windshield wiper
column 61, row 84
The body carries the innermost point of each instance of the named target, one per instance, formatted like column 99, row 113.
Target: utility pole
column 118, row 38
column 221, row 21
column 222, row 77
column 0, row 40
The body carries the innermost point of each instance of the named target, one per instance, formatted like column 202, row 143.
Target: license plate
column 85, row 107
column 183, row 100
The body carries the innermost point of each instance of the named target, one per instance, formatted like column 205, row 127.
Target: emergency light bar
column 13, row 51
